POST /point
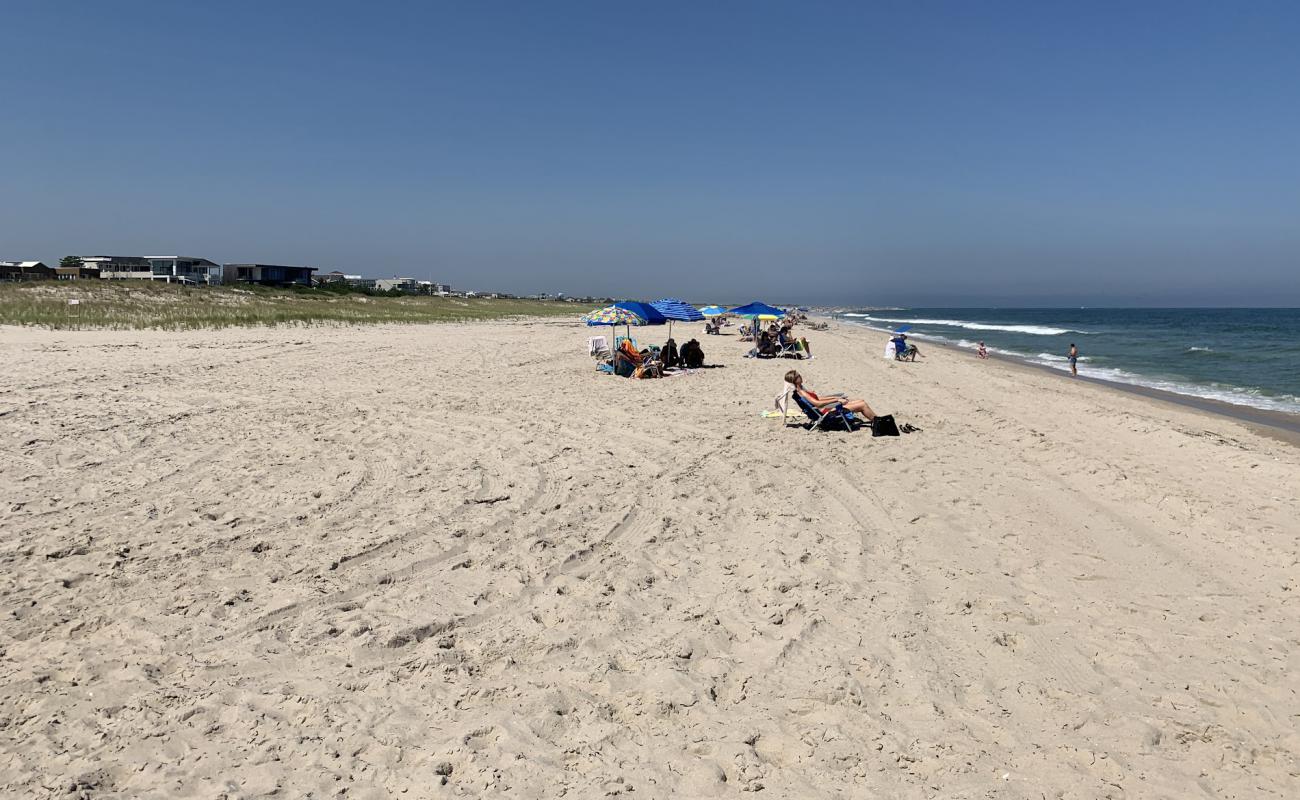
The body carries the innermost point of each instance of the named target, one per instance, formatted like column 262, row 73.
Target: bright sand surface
column 453, row 560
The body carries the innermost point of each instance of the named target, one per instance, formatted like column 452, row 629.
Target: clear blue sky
column 921, row 153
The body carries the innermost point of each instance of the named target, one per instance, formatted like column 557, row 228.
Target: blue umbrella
column 675, row 309
column 902, row 329
column 678, row 310
column 756, row 310
column 645, row 311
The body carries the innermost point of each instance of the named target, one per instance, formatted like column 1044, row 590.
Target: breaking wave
column 1034, row 330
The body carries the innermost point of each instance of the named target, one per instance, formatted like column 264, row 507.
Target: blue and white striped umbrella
column 675, row 309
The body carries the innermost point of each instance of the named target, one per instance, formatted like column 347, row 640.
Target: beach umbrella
column 902, row 329
column 678, row 310
column 713, row 311
column 649, row 314
column 613, row 316
column 757, row 310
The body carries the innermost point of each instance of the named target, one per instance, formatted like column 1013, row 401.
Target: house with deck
column 408, row 285
column 184, row 269
column 268, row 274
column 119, row 267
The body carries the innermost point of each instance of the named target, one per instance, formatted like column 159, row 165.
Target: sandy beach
column 454, row 561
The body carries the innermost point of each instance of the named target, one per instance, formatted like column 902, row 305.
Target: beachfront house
column 184, row 269
column 334, row 276
column 116, row 268
column 268, row 274
column 76, row 273
column 24, row 271
column 408, row 285
column 358, row 282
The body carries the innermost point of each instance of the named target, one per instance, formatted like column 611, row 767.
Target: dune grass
column 142, row 304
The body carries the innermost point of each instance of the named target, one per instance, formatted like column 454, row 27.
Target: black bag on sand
column 884, row 426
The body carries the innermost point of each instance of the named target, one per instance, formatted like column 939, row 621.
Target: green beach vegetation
column 143, row 304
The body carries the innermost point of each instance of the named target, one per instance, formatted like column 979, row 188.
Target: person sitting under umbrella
column 692, row 355
column 904, row 350
column 856, row 406
column 668, row 354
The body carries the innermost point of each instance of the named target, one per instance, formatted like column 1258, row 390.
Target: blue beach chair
column 830, row 418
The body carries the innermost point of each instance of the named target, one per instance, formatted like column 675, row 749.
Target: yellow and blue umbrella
column 757, row 311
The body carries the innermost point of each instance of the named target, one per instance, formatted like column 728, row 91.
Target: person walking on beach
column 1074, row 360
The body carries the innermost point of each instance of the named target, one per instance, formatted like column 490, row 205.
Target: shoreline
column 1278, row 425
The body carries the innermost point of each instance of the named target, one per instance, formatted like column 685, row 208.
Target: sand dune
column 453, row 561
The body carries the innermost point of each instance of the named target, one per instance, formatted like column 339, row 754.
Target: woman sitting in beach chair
column 790, row 347
column 823, row 404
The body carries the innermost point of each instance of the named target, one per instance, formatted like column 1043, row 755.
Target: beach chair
column 830, row 418
column 629, row 363
column 626, row 362
column 791, row 348
column 618, row 342
column 782, row 404
column 598, row 347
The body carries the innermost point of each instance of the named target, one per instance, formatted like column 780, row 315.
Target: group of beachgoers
column 903, row 350
column 651, row 361
column 776, row 340
column 628, row 360
column 772, row 340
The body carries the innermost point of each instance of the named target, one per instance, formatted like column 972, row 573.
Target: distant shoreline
column 1278, row 425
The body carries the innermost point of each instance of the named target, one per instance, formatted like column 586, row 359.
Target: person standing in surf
column 1074, row 360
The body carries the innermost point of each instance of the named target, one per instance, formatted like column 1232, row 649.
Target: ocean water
column 1243, row 356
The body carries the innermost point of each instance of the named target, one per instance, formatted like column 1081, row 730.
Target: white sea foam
column 1234, row 395
column 1035, row 330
